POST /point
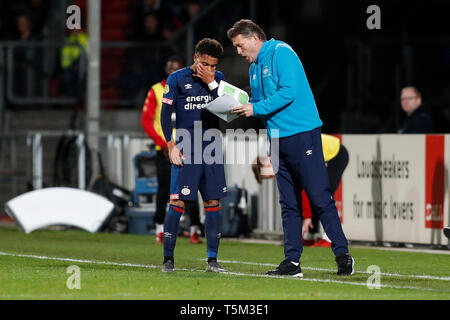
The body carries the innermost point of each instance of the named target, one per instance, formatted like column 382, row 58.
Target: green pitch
column 113, row 266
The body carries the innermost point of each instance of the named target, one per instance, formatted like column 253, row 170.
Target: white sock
column 194, row 229
column 159, row 228
column 325, row 237
column 308, row 236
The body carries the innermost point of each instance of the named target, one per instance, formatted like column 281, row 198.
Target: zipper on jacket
column 262, row 86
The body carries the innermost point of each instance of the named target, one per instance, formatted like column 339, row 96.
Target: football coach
column 282, row 98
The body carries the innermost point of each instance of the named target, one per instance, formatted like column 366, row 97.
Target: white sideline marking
column 225, row 273
column 363, row 284
column 428, row 277
column 87, row 261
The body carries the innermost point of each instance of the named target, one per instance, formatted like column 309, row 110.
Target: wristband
column 213, row 85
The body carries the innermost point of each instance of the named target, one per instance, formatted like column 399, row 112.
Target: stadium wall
column 394, row 189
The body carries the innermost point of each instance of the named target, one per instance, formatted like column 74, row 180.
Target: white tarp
column 59, row 206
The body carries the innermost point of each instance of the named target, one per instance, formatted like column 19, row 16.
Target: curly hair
column 208, row 46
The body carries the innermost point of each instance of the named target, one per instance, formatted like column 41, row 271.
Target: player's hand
column 206, row 74
column 175, row 155
column 245, row 110
column 307, row 224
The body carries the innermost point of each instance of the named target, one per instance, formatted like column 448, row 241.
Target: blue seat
column 146, row 182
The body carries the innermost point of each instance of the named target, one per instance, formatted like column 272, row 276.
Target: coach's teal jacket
column 281, row 95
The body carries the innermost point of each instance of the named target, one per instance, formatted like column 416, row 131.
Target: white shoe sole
column 353, row 266
column 298, row 275
column 215, row 270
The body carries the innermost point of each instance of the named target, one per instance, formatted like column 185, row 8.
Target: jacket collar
column 265, row 50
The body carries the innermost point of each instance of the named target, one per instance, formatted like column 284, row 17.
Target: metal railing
column 37, row 153
column 33, row 61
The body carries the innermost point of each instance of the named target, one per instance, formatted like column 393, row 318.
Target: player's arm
column 147, row 117
column 168, row 103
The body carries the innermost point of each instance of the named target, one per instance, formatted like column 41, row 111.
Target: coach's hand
column 175, row 155
column 245, row 110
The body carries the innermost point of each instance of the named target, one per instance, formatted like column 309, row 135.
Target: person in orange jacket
column 151, row 123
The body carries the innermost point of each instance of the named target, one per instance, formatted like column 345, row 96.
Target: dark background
column 411, row 48
column 356, row 74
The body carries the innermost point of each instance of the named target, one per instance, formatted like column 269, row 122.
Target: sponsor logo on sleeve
column 167, row 101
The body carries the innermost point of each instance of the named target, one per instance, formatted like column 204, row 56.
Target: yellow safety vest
column 330, row 146
column 70, row 53
column 158, row 89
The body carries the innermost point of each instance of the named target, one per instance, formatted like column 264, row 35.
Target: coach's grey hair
column 246, row 28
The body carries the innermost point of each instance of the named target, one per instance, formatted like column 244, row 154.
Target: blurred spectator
column 27, row 60
column 35, row 11
column 191, row 10
column 152, row 31
column 418, row 117
column 202, row 27
column 135, row 76
column 167, row 13
column 194, row 8
column 168, row 29
column 24, row 27
column 70, row 62
column 38, row 14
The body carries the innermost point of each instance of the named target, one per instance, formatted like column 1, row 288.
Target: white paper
column 229, row 97
column 222, row 106
column 227, row 88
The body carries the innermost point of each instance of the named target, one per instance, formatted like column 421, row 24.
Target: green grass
column 27, row 272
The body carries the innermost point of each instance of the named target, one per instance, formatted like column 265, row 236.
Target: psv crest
column 166, row 89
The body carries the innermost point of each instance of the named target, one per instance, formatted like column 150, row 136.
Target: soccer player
column 186, row 92
column 151, row 122
column 282, row 98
